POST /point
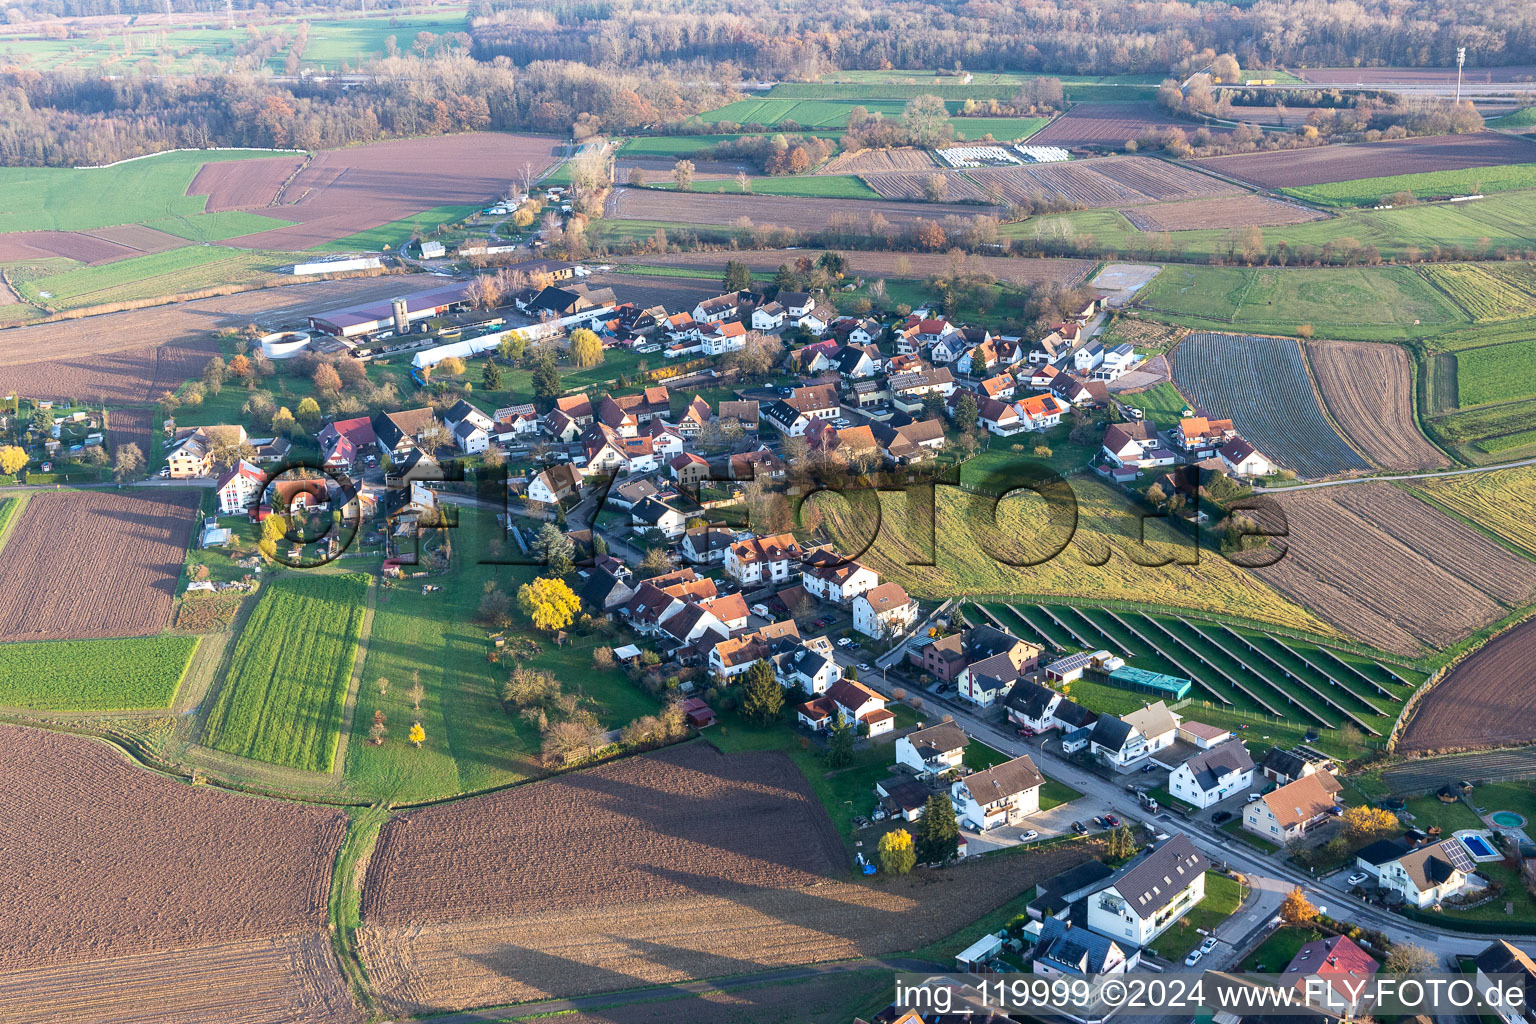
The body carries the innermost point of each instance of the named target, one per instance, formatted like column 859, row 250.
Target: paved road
column 1404, row 476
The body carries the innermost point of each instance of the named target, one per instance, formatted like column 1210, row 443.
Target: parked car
column 1221, row 817
column 1111, row 821
column 1145, row 768
column 1358, row 877
column 863, row 666
column 1254, row 796
column 1026, row 731
column 1079, row 828
column 1098, row 822
column 1193, row 958
column 1209, row 944
column 1025, row 837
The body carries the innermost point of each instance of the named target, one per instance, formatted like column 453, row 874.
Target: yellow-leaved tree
column 12, row 459
column 417, row 734
column 1364, row 822
column 549, row 603
column 586, row 348
column 896, row 853
column 1297, row 909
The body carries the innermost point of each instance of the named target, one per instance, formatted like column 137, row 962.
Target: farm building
column 367, row 317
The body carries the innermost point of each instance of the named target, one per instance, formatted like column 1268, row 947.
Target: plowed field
column 243, row 184
column 1291, row 168
column 804, row 214
column 94, row 563
column 1107, row 124
column 681, row 864
column 870, row 161
column 1487, row 700
column 1368, row 390
column 1385, row 567
column 1235, row 212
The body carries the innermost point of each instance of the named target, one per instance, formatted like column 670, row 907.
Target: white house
column 1213, row 775
column 1122, row 742
column 983, row 682
column 555, row 484
column 932, row 751
column 721, row 307
column 883, row 611
column 239, row 487
column 762, row 559
column 1503, row 958
column 830, row 577
column 1136, row 445
column 808, row 665
column 1424, row 876
column 471, row 438
column 1116, row 363
column 1151, row 893
column 768, row 317
column 1089, row 356
column 1243, row 459
column 1031, row 705
column 852, row 702
column 1290, row 811
column 1001, row 795
column 655, row 514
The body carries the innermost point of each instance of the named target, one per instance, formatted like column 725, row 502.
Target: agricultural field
column 958, row 186
column 780, row 110
column 1102, row 561
column 119, row 674
column 184, row 270
column 1391, row 570
column 1364, row 303
column 886, row 265
column 669, row 209
column 1368, row 390
column 1112, row 181
column 1109, row 125
column 1426, row 185
column 1502, row 501
column 237, row 888
column 1214, row 214
column 1496, row 373
column 1525, row 117
column 1261, row 384
column 867, row 161
column 1490, row 429
column 830, row 186
column 711, row 864
column 1490, row 293
column 1304, row 169
column 1485, row 701
column 282, row 697
column 85, row 564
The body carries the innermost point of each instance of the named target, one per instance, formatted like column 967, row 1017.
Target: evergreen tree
column 738, row 276
column 938, row 833
column 763, row 698
column 839, row 744
column 491, row 375
column 546, row 378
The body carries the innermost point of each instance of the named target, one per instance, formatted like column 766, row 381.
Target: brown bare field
column 343, row 191
column 151, row 900
column 18, row 246
column 1107, row 124
column 885, row 264
column 802, row 213
column 873, row 161
column 1368, row 390
column 659, row 168
column 675, row 293
column 132, row 425
column 139, row 238
column 691, row 864
column 243, row 184
column 1486, row 701
column 117, row 356
column 806, row 1001
column 912, row 185
column 1231, row 212
column 137, row 862
column 1385, row 567
column 94, row 563
column 1290, row 168
column 1113, row 181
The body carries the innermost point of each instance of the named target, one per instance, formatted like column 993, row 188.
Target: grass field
column 174, row 271
column 139, row 191
column 677, row 146
column 116, row 674
column 1162, row 403
column 1525, row 117
column 355, row 40
column 281, row 701
column 396, row 233
column 833, row 113
column 1429, row 184
column 1494, row 428
column 1502, row 502
column 1099, row 560
column 1350, row 303
column 1497, row 373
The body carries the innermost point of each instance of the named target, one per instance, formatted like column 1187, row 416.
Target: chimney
column 402, row 320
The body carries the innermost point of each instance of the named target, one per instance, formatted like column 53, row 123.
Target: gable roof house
column 769, row 559
column 1503, row 958
column 1000, row 387
column 1122, row 742
column 1150, row 893
column 721, row 307
column 1064, row 949
column 1293, row 809
column 768, row 317
column 1031, row 705
column 910, row 442
column 1244, row 460
column 741, row 413
column 239, row 487
column 1001, row 795
column 808, row 665
column 1213, row 775
column 577, row 407
column 831, row 577
column 857, row 361
column 883, row 611
column 1427, row 875
column 1136, row 444
column 1289, row 765
column 932, row 750
column 655, row 514
column 1339, row 962
column 1090, row 394
column 796, row 304
column 689, row 468
column 398, row 431
column 1116, row 363
column 706, row 545
column 909, row 389
column 554, row 484
column 1200, row 436
column 856, row 704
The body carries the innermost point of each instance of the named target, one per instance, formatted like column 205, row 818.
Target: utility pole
column 1461, row 59
column 167, row 12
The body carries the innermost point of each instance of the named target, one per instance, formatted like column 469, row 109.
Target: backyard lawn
column 1223, row 896
column 1279, row 949
column 1054, row 794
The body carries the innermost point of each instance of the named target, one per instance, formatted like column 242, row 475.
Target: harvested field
column 883, row 264
column 1391, row 570
column 341, row 192
column 137, row 862
column 1291, row 168
column 1486, row 701
column 118, row 357
column 94, row 564
column 874, row 161
column 292, row 978
column 693, row 864
column 1113, row 181
column 19, row 246
column 914, row 185
column 1261, row 385
column 672, row 292
column 1368, row 390
column 805, row 214
column 1502, row 502
column 1108, row 124
column 244, row 184
column 138, row 237
column 1236, row 212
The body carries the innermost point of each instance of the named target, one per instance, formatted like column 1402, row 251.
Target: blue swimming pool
column 1479, row 846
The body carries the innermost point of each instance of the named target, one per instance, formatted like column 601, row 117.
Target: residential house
column 883, row 611
column 239, row 487
column 758, row 560
column 1426, row 875
column 984, row 682
column 854, row 703
column 1290, row 811
column 933, row 750
column 807, row 665
column 902, row 796
column 1284, row 766
column 834, row 578
column 471, row 438
column 909, row 389
column 749, row 465
column 398, row 432
column 1002, row 795
column 578, row 407
column 604, row 449
column 655, row 514
column 910, row 442
column 1040, row 412
column 694, row 418
column 981, row 353
column 1244, row 460
column 1372, row 857
column 720, row 338
column 628, row 493
column 732, row 657
column 1116, row 362
column 818, row 318
column 689, row 469
column 1503, row 958
column 721, row 307
column 730, row 609
column 1087, row 357
column 614, row 416
column 813, row 359
column 999, row 388
column 796, row 304
column 1213, row 775
column 555, row 484
column 415, row 466
column 1200, row 437
column 1066, row 949
column 705, row 545
column 462, row 412
column 358, row 432
column 1136, row 445
column 1031, row 705
column 768, row 317
column 193, row 457
column 1056, row 346
column 561, row 427
column 515, row 422
column 866, row 332
column 1339, row 963
column 1085, row 394
column 743, row 414
column 666, row 440
column 689, row 624
column 858, row 362
column 1124, row 741
column 1150, row 894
